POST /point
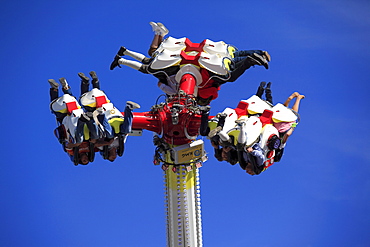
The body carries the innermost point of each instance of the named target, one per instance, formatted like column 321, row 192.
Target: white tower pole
column 182, row 204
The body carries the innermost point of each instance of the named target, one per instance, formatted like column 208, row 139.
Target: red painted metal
column 176, row 120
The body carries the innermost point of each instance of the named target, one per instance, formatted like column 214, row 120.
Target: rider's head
column 273, row 142
column 224, row 154
column 232, row 157
column 112, row 154
column 249, row 169
column 218, row 154
column 84, row 159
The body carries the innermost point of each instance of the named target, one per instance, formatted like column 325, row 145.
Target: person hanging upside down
column 285, row 120
column 71, row 121
column 243, row 60
column 114, row 126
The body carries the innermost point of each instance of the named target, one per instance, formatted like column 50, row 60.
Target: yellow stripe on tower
column 180, row 180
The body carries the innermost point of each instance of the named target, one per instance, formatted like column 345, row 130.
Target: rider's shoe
column 259, row 60
column 162, row 29
column 267, row 56
column 132, row 105
column 115, row 62
column 154, row 26
column 215, row 131
column 240, row 122
column 95, row 79
column 121, row 51
column 83, row 77
column 64, row 83
column 221, row 115
column 86, row 117
column 94, row 76
column 53, row 84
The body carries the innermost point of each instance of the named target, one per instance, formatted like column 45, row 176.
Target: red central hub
column 177, row 120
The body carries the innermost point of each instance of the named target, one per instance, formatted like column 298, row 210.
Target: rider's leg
column 156, row 42
column 241, row 54
column 84, row 83
column 95, row 80
column 108, row 130
column 297, row 102
column 261, row 89
column 133, row 64
column 286, row 103
column 53, row 89
column 65, row 87
column 126, row 127
column 245, row 64
column 242, row 138
column 268, row 93
column 135, row 55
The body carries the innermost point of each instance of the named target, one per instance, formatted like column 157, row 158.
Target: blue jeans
column 126, row 127
column 94, row 132
column 79, row 132
column 240, row 55
column 108, row 130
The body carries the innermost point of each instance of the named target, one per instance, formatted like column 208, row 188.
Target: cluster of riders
column 253, row 134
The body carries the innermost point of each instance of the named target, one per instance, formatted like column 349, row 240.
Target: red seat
column 100, row 100
column 71, row 106
column 242, row 109
column 266, row 117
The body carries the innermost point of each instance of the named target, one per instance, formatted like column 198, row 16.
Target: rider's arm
column 257, row 152
column 167, row 89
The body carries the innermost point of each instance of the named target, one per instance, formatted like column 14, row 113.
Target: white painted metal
column 182, row 206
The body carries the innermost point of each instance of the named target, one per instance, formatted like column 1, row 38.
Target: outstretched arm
column 257, row 152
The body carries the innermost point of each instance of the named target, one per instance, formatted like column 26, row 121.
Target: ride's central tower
column 182, row 206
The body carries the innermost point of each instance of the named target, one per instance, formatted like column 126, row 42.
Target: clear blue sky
column 318, row 195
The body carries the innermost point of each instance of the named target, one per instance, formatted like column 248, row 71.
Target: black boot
column 121, row 51
column 259, row 60
column 115, row 62
column 261, row 89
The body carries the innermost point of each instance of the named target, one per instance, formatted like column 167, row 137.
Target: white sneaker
column 214, row 132
column 132, row 105
column 155, row 27
column 163, row 30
